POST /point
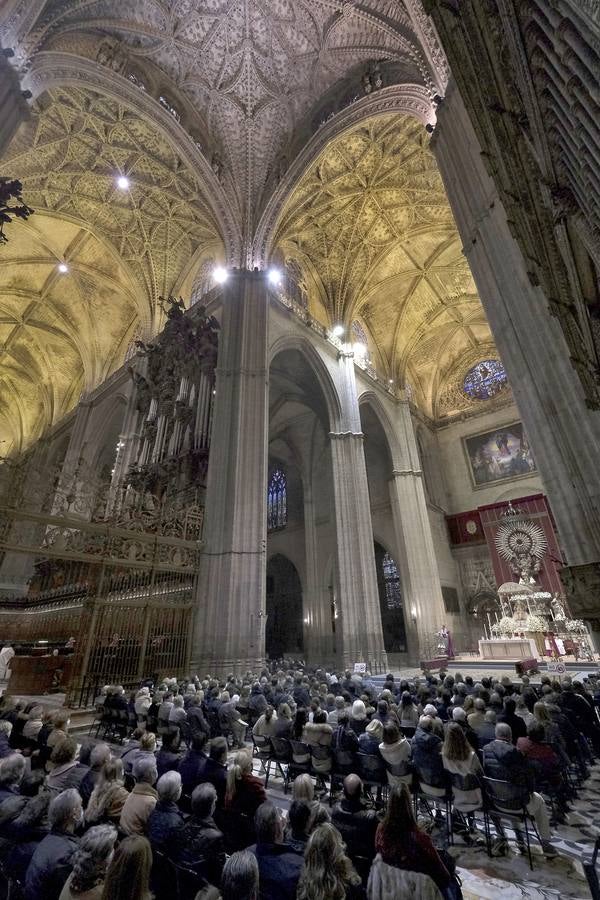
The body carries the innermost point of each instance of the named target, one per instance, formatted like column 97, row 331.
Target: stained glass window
column 485, row 380
column 391, row 580
column 277, row 501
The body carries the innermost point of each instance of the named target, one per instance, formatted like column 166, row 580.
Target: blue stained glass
column 277, row 501
column 485, row 380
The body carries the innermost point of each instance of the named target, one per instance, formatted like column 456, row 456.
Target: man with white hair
column 201, row 844
column 502, row 761
column 142, row 800
column 12, row 769
column 166, row 821
column 50, row 864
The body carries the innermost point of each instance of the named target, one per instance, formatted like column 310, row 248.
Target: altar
column 508, row 648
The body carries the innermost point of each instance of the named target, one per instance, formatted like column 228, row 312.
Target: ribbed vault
column 64, row 333
column 370, row 225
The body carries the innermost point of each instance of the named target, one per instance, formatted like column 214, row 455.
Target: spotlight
column 359, row 350
column 274, row 276
column 122, row 182
column 337, row 330
column 390, row 381
column 220, row 275
column 62, row 268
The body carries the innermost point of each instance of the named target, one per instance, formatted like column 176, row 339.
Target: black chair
column 162, row 875
column 319, row 757
column 408, row 731
column 300, row 751
column 471, row 783
column 188, row 882
column 262, row 750
column 373, row 773
column 435, row 793
column 281, row 755
column 509, row 801
column 344, row 763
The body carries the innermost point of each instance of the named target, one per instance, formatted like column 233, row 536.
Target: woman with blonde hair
column 460, row 760
column 244, row 792
column 328, row 873
column 128, row 876
column 109, row 795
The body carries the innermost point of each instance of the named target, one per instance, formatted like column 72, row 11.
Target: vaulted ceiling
column 370, row 226
column 251, row 70
column 62, row 334
column 204, row 105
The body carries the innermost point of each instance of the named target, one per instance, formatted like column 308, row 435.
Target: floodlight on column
column 274, row 276
column 337, row 330
column 220, row 274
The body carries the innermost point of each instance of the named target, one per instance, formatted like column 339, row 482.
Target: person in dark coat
column 427, row 754
column 193, row 764
column 300, row 693
column 196, row 720
column 168, row 757
column 23, row 827
column 486, row 732
column 279, row 864
column 99, row 755
column 215, row 771
column 200, row 844
column 502, row 761
column 50, row 864
column 166, row 820
column 344, row 737
column 355, row 821
column 257, row 702
column 517, row 724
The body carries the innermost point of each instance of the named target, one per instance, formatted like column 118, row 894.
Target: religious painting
column 499, row 455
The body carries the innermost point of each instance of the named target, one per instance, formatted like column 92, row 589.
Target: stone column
column 229, row 631
column 318, row 636
column 564, row 433
column 359, row 611
column 13, row 107
column 423, row 603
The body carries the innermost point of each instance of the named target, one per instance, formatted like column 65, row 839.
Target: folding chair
column 281, row 756
column 433, row 795
column 373, row 773
column 261, row 750
column 300, row 752
column 509, row 801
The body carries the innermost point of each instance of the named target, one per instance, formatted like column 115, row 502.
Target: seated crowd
column 164, row 803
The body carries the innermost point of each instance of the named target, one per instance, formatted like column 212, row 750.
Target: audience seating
column 509, row 801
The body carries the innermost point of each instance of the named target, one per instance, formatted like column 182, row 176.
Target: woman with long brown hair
column 460, row 759
column 402, row 844
column 128, row 876
column 328, row 873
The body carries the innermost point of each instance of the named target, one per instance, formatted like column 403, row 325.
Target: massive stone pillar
column 13, row 107
column 423, row 603
column 564, row 433
column 359, row 611
column 229, row 631
column 318, row 636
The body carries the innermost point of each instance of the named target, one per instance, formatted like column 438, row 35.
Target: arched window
column 277, row 501
column 391, row 600
column 485, row 380
column 391, row 580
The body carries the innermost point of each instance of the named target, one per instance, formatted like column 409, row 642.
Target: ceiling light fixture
column 220, row 274
column 274, row 276
column 122, row 182
column 337, row 330
column 62, row 268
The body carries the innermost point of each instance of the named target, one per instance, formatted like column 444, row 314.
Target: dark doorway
column 391, row 601
column 284, row 633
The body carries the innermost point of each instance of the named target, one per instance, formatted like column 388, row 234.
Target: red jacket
column 417, row 855
column 249, row 794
